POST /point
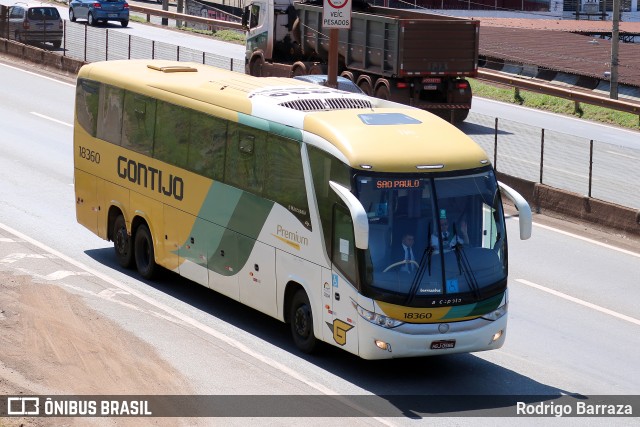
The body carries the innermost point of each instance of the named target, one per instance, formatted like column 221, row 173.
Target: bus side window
column 138, row 123
column 343, row 255
column 284, row 178
column 325, row 168
column 246, row 158
column 87, row 103
column 109, row 126
column 207, row 146
column 171, row 140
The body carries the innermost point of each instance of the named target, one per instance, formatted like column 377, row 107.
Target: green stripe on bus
column 477, row 309
column 227, row 250
column 271, row 127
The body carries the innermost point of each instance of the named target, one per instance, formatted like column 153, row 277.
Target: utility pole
column 165, row 6
column 615, row 41
column 332, row 71
column 336, row 14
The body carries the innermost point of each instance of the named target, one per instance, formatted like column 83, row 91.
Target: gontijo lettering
column 149, row 177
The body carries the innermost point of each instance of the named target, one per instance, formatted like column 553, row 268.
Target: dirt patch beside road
column 52, row 343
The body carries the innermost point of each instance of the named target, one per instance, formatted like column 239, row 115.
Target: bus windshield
column 433, row 240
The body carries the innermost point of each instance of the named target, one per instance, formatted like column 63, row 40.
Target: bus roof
column 369, row 133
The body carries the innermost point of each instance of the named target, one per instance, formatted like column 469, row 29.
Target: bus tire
column 144, row 253
column 301, row 318
column 122, row 243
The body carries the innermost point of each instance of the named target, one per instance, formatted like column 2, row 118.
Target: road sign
column 336, row 14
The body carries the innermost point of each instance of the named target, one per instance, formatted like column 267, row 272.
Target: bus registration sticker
column 443, row 345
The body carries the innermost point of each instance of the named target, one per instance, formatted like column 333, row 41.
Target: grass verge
column 555, row 105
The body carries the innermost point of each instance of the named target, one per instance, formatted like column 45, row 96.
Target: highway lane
column 554, row 344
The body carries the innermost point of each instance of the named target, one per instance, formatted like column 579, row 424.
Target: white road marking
column 186, row 319
column 51, row 119
column 579, row 301
column 586, row 239
column 11, row 258
column 61, row 274
column 621, row 155
column 38, row 75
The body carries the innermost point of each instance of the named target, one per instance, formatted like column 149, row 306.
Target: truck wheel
column 460, row 115
column 382, row 92
column 122, row 243
column 255, row 66
column 143, row 249
column 298, row 69
column 365, row 87
column 301, row 318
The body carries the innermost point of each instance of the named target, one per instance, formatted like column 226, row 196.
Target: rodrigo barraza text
column 579, row 408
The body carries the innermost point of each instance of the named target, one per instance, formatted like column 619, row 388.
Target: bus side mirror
column 524, row 211
column 358, row 215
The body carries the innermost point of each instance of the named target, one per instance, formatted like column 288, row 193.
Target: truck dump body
column 396, row 42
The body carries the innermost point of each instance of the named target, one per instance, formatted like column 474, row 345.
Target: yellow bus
column 366, row 224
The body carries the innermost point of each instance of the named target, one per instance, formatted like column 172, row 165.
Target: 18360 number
column 86, row 153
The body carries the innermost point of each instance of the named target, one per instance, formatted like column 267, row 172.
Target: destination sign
column 398, row 183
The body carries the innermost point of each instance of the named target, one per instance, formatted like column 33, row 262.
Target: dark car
column 96, row 11
column 321, row 79
column 35, row 24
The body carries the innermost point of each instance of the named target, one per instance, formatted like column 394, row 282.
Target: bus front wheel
column 122, row 243
column 144, row 254
column 302, row 322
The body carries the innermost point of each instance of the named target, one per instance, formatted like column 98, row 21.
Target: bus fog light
column 496, row 336
column 383, row 345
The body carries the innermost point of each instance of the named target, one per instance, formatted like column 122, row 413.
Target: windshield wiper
column 429, row 250
column 420, row 272
column 463, row 265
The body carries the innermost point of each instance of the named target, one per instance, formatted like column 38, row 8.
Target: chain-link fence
column 92, row 44
column 584, row 166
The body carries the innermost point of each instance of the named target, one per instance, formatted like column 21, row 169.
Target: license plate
column 113, row 15
column 443, row 345
column 430, row 87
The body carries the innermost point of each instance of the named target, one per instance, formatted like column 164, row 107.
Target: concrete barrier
column 561, row 203
column 48, row 59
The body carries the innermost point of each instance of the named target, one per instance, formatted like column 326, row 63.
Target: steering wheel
column 396, row 264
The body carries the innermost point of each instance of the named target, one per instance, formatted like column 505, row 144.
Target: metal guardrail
column 549, row 89
column 212, row 23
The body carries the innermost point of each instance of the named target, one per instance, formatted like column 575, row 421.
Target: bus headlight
column 377, row 319
column 497, row 313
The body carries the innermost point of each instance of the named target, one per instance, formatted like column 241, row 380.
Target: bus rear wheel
column 122, row 243
column 301, row 318
column 144, row 254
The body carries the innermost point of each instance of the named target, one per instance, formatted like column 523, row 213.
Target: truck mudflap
column 431, row 106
